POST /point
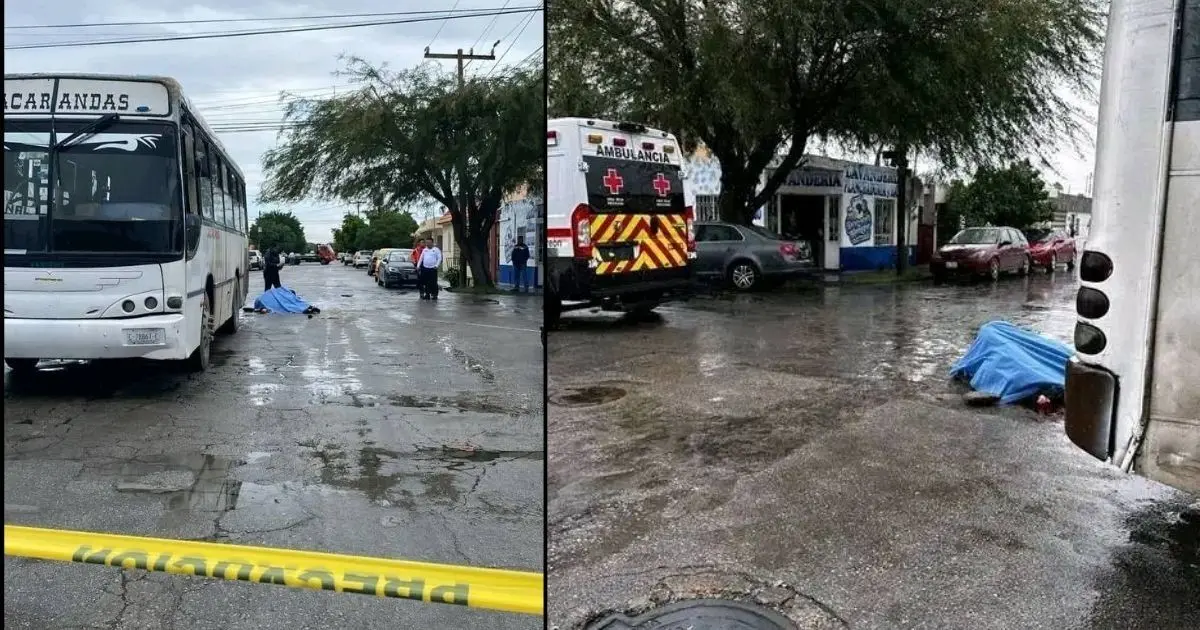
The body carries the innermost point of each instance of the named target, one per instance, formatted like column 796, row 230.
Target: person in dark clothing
column 520, row 258
column 271, row 264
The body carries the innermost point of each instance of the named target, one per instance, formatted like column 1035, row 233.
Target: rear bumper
column 573, row 280
column 92, row 338
column 1090, row 403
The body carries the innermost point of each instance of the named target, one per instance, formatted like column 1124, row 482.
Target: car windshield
column 977, row 236
column 1037, row 236
column 400, row 255
column 116, row 191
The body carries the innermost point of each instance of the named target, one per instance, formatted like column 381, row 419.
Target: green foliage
column 1014, row 197
column 281, row 230
column 416, row 134
column 345, row 238
column 755, row 80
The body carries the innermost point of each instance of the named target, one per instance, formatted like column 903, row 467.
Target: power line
column 442, row 26
column 485, row 31
column 304, row 29
column 440, row 13
column 528, row 21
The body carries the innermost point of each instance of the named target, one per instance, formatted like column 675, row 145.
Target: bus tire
column 235, row 310
column 22, row 367
column 202, row 355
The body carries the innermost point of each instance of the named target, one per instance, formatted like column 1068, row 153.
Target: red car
column 326, row 254
column 982, row 251
column 1050, row 248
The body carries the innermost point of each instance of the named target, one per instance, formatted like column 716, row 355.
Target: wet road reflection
column 382, row 426
column 812, row 438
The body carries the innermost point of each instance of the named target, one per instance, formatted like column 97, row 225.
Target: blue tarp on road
column 1013, row 363
column 281, row 300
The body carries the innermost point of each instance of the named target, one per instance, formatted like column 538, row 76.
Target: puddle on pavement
column 1169, row 526
column 389, row 477
column 196, row 483
column 587, row 396
column 469, row 362
column 446, row 404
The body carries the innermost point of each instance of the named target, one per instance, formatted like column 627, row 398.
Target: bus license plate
column 951, row 265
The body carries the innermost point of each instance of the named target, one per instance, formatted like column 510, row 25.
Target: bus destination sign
column 85, row 96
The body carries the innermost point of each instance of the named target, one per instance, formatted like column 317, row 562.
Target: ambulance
column 619, row 231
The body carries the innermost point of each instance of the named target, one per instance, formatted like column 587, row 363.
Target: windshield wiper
column 96, row 127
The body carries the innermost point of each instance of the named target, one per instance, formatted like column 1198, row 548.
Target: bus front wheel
column 200, row 358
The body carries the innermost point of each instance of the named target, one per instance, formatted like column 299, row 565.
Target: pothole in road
column 587, row 396
column 703, row 614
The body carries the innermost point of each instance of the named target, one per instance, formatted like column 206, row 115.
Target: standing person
column 271, row 265
column 427, row 270
column 416, row 261
column 520, row 258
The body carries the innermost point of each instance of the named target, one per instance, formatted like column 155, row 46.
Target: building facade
column 845, row 210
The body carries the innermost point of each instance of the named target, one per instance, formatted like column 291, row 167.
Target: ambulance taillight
column 551, row 138
column 581, row 230
column 689, row 216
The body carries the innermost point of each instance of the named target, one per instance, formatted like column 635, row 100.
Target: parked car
column 362, row 258
column 397, row 269
column 982, row 251
column 325, row 254
column 745, row 255
column 292, row 259
column 256, row 260
column 380, row 254
column 1050, row 248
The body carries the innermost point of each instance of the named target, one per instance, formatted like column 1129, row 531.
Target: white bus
column 1133, row 388
column 124, row 222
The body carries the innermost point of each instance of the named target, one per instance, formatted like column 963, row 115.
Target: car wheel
column 994, row 269
column 743, row 276
column 552, row 311
column 22, row 366
column 1071, row 262
column 199, row 361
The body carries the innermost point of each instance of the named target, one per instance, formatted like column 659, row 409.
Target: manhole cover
column 583, row 396
column 699, row 614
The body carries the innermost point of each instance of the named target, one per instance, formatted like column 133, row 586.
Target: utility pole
column 462, row 58
column 898, row 157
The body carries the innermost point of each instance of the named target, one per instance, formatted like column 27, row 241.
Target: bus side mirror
column 191, row 230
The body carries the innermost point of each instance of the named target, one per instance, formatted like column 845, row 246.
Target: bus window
column 191, row 203
column 219, row 186
column 204, row 177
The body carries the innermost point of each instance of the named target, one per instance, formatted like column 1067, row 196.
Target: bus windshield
column 637, row 187
column 116, row 191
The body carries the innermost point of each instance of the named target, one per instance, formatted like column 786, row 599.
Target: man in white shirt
column 427, row 269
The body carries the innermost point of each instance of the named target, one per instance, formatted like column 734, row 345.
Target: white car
column 362, row 259
column 256, row 260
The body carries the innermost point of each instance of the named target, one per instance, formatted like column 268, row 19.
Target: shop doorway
column 802, row 218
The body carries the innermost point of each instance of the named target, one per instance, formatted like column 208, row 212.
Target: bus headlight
column 1089, row 339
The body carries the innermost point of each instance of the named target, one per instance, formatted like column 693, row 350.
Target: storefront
column 520, row 217
column 845, row 210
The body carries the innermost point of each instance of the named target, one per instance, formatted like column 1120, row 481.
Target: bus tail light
column 1091, row 303
column 689, row 219
column 1095, row 267
column 551, row 138
column 1089, row 339
column 175, row 302
column 581, row 231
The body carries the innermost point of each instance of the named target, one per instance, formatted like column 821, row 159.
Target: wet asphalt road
column 325, row 434
column 806, row 449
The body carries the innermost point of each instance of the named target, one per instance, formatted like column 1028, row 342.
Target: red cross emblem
column 613, row 181
column 661, row 184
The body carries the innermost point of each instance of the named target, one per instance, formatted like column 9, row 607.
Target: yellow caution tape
column 496, row 589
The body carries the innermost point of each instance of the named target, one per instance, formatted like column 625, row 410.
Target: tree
column 281, row 230
column 415, row 134
column 756, row 79
column 1015, row 196
column 345, row 238
column 388, row 228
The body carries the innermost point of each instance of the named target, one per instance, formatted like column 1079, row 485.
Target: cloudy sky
column 236, row 81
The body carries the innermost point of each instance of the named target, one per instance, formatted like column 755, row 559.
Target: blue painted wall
column 873, row 258
column 508, row 277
